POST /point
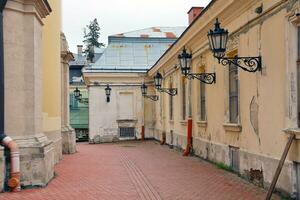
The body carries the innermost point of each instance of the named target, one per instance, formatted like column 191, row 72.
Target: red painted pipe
column 189, row 138
column 163, row 141
column 143, row 133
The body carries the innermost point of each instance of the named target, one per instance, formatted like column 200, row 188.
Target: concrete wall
column 267, row 99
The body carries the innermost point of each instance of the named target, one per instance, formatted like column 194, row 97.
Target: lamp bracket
column 249, row 64
column 152, row 97
column 207, row 78
column 169, row 91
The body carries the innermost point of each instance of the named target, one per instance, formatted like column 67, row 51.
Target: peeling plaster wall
column 106, row 129
column 267, row 99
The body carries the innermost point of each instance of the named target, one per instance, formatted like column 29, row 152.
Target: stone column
column 23, row 88
column 68, row 133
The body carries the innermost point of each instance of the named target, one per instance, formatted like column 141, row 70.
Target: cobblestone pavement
column 138, row 170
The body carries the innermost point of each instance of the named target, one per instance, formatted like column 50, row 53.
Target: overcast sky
column 118, row 16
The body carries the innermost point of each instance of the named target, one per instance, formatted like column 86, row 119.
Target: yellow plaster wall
column 268, row 87
column 52, row 69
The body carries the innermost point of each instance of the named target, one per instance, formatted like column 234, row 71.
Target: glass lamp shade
column 107, row 91
column 144, row 89
column 185, row 61
column 80, row 97
column 77, row 93
column 158, row 80
column 218, row 40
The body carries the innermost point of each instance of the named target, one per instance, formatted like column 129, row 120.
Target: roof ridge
column 153, row 27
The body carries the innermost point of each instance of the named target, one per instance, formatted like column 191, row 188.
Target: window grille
column 202, row 102
column 183, row 96
column 233, row 94
column 171, row 103
column 127, row 132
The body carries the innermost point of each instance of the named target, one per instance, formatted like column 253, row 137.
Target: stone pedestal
column 36, row 160
column 56, row 138
column 68, row 140
column 23, row 89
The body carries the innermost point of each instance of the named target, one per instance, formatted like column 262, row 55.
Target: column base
column 68, row 140
column 56, row 138
column 36, row 160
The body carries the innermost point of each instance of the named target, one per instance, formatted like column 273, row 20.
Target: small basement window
column 127, row 132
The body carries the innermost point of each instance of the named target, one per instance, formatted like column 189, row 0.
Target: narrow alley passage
column 138, row 170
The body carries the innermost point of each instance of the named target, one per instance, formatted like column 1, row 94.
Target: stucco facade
column 125, row 108
column 67, row 132
column 23, row 89
column 52, row 73
column 123, row 67
column 33, row 86
column 267, row 100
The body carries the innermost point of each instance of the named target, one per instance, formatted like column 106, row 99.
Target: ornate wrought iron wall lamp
column 158, row 81
column 107, row 92
column 185, row 62
column 144, row 88
column 218, row 42
column 79, row 98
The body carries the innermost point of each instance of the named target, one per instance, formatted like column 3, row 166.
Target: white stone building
column 123, row 67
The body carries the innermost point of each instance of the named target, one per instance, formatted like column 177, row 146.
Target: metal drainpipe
column 189, row 145
column 14, row 181
column 2, row 68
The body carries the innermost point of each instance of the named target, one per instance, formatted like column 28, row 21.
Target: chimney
column 79, row 49
column 193, row 13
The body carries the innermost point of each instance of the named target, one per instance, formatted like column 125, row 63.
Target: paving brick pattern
column 138, row 170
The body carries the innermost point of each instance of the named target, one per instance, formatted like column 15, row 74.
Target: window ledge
column 202, row 123
column 183, row 122
column 295, row 131
column 232, row 127
column 171, row 121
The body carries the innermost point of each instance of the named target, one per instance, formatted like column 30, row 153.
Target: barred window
column 183, row 96
column 171, row 117
column 233, row 94
column 202, row 102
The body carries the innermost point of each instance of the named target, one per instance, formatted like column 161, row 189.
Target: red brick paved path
column 138, row 170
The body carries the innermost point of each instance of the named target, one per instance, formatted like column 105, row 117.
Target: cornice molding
column 40, row 8
column 226, row 10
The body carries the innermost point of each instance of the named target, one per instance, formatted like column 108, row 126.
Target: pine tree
column 91, row 37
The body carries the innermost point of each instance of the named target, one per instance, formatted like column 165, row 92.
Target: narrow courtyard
column 138, row 170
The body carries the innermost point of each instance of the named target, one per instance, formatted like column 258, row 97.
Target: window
column 127, row 132
column 298, row 77
column 73, row 101
column 171, row 117
column 202, row 102
column 183, row 96
column 189, row 96
column 233, row 94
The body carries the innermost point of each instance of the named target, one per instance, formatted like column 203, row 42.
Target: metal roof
column 154, row 32
column 79, row 60
column 134, row 54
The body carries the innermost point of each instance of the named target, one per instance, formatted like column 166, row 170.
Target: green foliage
column 91, row 37
column 224, row 167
